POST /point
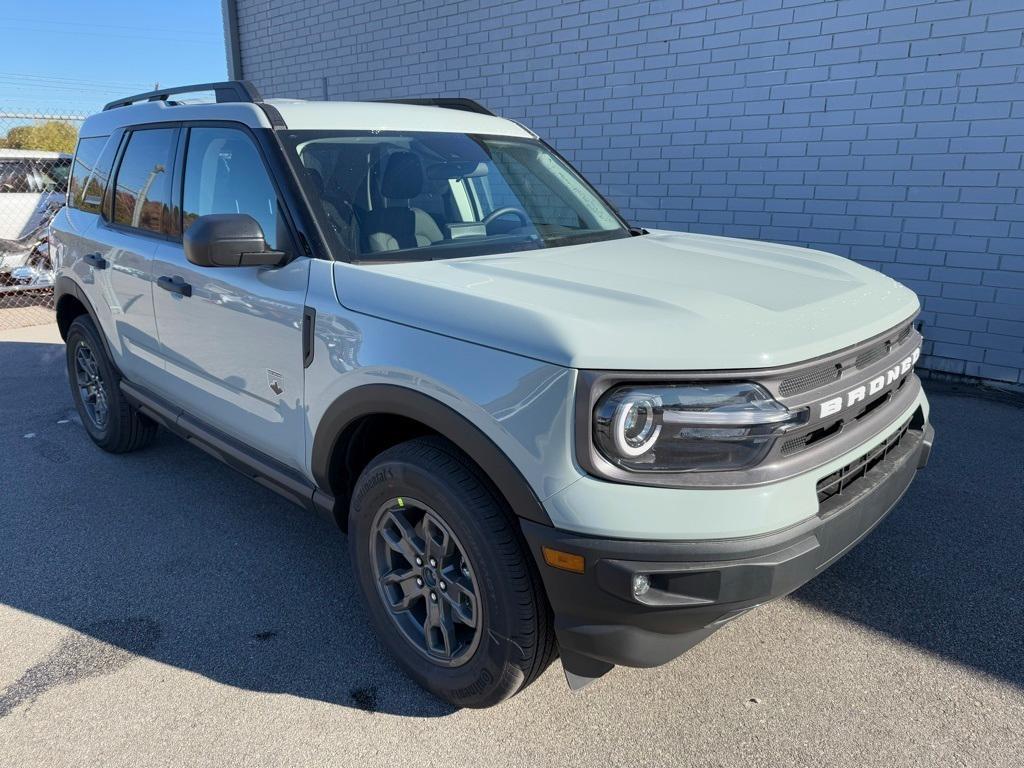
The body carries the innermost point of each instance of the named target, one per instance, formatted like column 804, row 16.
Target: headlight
column 689, row 427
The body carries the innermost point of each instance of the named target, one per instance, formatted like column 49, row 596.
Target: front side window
column 397, row 196
column 225, row 174
column 142, row 193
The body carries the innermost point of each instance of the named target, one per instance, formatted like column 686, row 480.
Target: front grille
column 873, row 355
column 812, row 379
column 849, row 477
column 827, row 373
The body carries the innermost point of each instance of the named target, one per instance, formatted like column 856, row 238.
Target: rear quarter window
column 91, row 172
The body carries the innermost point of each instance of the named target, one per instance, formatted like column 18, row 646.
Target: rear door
column 232, row 347
column 105, row 238
column 137, row 218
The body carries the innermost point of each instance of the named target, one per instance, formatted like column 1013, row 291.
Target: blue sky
column 73, row 56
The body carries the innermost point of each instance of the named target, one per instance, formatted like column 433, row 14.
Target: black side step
column 266, row 471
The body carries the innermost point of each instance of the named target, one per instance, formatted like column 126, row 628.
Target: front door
column 232, row 342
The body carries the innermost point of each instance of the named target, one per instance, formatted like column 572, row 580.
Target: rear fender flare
column 65, row 286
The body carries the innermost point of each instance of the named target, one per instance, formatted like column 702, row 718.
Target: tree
column 52, row 136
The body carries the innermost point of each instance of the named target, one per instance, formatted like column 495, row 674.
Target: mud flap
column 580, row 671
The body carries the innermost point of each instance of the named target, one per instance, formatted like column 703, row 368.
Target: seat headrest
column 403, row 177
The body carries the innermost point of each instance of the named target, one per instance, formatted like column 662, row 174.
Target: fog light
column 641, row 584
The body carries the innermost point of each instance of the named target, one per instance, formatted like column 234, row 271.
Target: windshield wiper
column 584, row 237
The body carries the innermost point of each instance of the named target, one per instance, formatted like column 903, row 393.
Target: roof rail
column 465, row 105
column 227, row 90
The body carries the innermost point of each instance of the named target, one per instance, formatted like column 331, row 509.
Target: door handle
column 95, row 261
column 175, row 284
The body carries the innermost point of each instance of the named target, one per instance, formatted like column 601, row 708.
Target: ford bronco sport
column 544, row 431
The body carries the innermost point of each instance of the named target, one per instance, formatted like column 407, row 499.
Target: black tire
column 123, row 428
column 516, row 639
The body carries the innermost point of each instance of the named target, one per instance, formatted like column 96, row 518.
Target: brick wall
column 889, row 131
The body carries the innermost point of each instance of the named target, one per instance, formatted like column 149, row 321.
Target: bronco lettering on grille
column 834, row 405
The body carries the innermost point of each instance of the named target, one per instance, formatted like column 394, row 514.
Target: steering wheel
column 497, row 213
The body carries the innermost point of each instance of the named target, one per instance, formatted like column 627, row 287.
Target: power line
column 70, row 80
column 45, row 87
column 157, row 38
column 131, row 27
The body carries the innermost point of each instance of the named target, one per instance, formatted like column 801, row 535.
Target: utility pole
column 140, row 201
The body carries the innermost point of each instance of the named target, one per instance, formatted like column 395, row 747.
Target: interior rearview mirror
column 229, row 240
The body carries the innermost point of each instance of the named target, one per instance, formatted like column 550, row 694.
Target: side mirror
column 229, row 240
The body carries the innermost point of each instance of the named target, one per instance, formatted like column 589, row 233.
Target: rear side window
column 142, row 193
column 90, row 173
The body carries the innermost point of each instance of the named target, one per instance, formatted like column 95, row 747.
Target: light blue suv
column 544, row 431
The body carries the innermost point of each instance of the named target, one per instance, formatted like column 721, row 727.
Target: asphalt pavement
column 159, row 609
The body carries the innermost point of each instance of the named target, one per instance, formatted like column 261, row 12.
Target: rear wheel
column 111, row 422
column 449, row 586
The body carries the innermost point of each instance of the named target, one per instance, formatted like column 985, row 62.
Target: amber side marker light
column 564, row 561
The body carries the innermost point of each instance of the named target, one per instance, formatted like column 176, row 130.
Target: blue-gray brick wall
column 889, row 131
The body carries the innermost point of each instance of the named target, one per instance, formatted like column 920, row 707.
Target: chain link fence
column 36, row 149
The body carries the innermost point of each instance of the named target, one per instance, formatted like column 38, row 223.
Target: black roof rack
column 225, row 91
column 465, row 105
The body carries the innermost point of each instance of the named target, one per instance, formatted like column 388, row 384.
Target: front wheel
column 450, row 588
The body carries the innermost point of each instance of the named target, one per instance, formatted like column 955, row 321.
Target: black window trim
column 114, row 136
column 290, row 160
column 303, row 228
column 284, row 208
column 107, row 216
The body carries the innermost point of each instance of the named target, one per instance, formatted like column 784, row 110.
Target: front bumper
column 698, row 586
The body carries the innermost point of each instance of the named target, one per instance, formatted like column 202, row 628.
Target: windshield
column 409, row 196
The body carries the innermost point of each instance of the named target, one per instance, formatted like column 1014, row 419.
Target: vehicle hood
column 663, row 301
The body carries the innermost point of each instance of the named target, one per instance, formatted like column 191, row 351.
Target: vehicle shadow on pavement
column 168, row 554
column 945, row 571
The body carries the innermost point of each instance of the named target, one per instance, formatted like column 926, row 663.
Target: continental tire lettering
column 381, row 476
column 476, row 686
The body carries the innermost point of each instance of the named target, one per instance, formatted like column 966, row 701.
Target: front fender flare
column 393, row 400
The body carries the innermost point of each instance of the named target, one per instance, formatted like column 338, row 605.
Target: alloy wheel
column 426, row 581
column 91, row 387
